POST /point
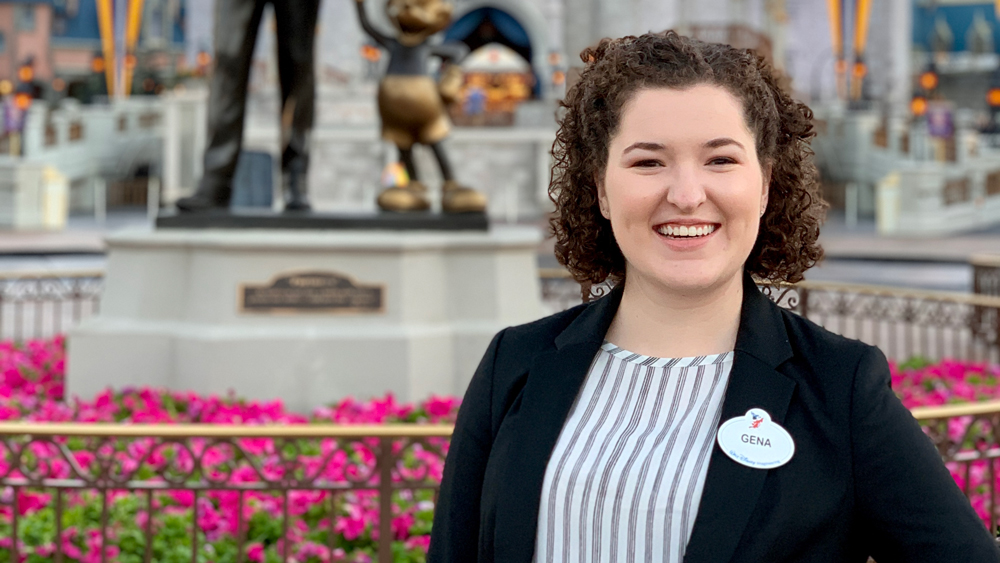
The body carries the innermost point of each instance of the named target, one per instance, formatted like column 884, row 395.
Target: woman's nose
column 685, row 189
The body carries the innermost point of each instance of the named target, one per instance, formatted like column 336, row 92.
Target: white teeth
column 685, row 231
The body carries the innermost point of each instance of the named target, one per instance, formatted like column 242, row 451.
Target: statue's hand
column 450, row 84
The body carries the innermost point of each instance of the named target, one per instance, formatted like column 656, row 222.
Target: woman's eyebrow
column 721, row 142
column 644, row 146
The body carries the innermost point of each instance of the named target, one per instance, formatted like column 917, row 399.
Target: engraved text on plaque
column 312, row 292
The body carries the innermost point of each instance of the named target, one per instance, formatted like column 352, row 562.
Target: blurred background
column 104, row 103
column 103, row 107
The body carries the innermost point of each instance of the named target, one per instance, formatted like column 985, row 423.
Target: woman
column 685, row 417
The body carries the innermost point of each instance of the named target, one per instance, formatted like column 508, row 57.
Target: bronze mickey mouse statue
column 412, row 106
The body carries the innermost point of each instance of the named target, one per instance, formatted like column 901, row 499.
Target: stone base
column 267, row 219
column 173, row 315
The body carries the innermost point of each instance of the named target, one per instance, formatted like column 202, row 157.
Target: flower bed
column 920, row 383
column 31, row 389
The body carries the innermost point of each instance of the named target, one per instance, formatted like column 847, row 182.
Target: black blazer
column 864, row 479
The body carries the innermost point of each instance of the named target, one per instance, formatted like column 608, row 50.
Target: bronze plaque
column 312, row 292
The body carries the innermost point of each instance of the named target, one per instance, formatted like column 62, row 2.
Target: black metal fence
column 904, row 323
column 111, row 490
column 986, row 274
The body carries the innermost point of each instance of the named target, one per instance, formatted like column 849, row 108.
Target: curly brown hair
column 615, row 70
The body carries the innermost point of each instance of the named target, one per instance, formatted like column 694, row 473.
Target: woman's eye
column 722, row 160
column 648, row 163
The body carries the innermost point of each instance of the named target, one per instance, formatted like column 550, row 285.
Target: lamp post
column 927, row 84
column 929, row 79
column 858, row 71
column 993, row 101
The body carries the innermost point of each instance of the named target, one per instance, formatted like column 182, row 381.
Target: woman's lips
column 687, row 236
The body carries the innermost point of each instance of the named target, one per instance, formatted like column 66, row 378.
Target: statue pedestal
column 307, row 316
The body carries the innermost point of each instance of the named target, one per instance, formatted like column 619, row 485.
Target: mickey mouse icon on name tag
column 756, row 441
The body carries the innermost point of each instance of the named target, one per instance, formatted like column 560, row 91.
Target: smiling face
column 683, row 188
column 416, row 20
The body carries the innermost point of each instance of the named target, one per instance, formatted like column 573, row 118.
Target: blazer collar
column 555, row 379
column 761, row 332
column 590, row 326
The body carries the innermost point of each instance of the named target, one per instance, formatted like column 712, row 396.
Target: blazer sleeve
column 455, row 532
column 908, row 506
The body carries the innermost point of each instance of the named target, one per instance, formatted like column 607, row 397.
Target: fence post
column 804, row 302
column 385, row 463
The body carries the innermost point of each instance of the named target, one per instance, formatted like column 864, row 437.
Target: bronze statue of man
column 236, row 25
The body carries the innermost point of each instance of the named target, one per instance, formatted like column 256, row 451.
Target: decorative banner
column 862, row 17
column 837, row 42
column 940, row 123
column 861, row 26
column 119, row 66
column 131, row 40
column 105, row 22
column 312, row 292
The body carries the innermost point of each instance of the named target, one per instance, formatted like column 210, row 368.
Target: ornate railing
column 229, row 471
column 968, row 438
column 985, row 274
column 903, row 323
column 40, row 305
column 242, row 471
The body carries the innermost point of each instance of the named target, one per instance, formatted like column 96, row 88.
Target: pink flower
column 352, row 525
column 421, row 542
column 29, row 502
column 255, row 552
column 440, row 407
column 401, row 526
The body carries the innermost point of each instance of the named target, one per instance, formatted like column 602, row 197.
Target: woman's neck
column 653, row 321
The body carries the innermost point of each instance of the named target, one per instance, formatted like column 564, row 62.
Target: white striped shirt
column 626, row 474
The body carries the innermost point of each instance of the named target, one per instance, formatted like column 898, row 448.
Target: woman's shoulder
column 540, row 334
column 821, row 349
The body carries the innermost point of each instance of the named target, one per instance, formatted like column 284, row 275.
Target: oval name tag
column 755, row 441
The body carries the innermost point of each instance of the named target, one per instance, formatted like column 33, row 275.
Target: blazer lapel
column 553, row 382
column 731, row 489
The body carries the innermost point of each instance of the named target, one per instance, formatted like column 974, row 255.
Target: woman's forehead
column 694, row 114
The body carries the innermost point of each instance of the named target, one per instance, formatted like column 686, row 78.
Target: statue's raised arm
column 452, row 52
column 366, row 25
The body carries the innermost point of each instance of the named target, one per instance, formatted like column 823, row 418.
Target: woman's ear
column 602, row 196
column 765, row 188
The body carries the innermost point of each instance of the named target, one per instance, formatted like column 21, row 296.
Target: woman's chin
column 689, row 281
